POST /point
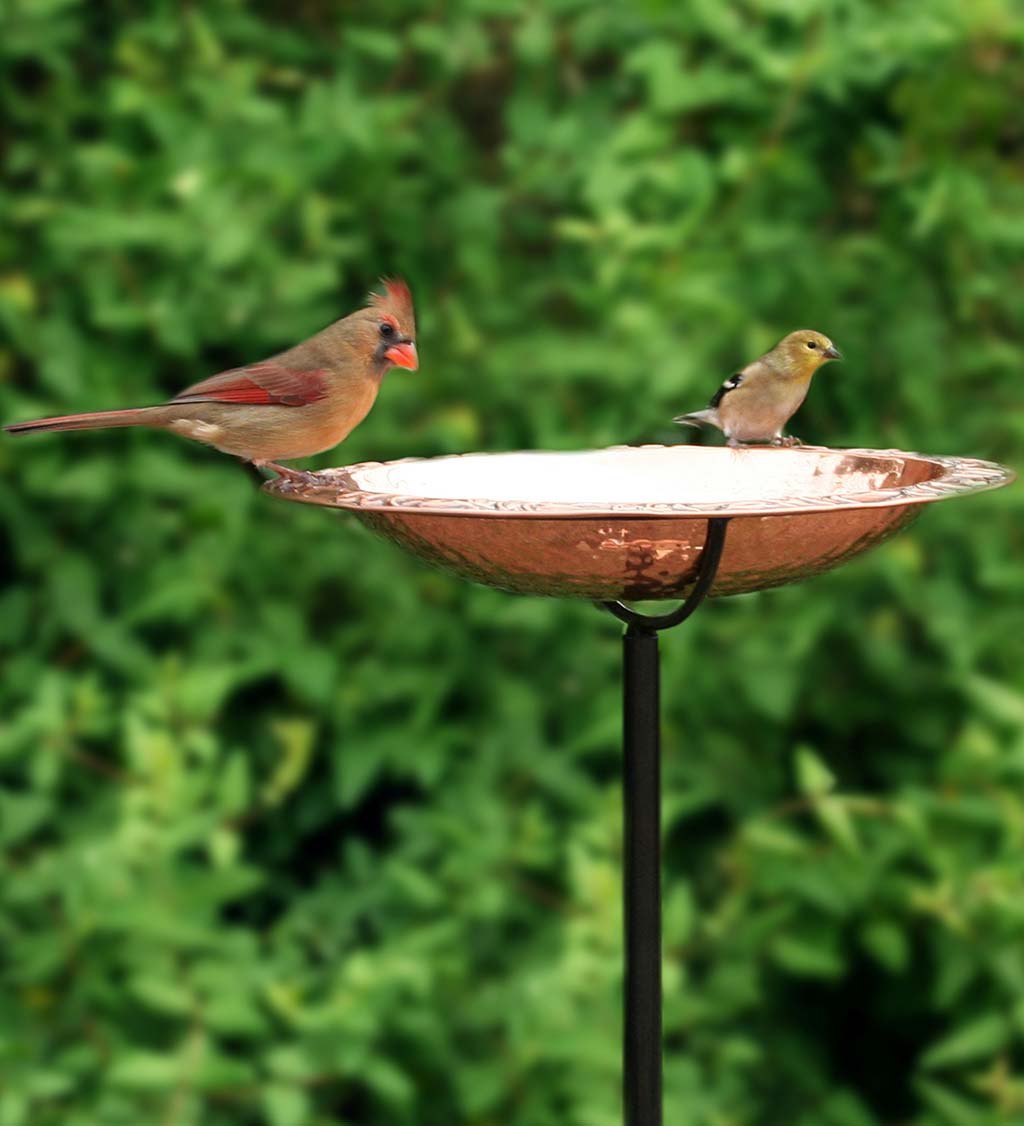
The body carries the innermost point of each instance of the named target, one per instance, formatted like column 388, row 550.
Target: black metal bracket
column 707, row 569
column 642, row 1033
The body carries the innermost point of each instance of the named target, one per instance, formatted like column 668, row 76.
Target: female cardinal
column 295, row 404
column 756, row 403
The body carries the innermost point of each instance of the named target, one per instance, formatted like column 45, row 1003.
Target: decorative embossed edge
column 338, row 488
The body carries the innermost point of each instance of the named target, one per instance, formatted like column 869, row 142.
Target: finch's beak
column 832, row 353
column 403, row 356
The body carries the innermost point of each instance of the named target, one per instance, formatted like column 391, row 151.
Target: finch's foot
column 788, row 441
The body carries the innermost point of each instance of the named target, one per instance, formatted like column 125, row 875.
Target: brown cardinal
column 295, row 404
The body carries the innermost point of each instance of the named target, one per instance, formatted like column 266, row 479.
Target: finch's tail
column 707, row 417
column 95, row 420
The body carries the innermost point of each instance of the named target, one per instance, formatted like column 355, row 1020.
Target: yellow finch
column 756, row 403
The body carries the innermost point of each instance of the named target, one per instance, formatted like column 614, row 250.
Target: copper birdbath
column 648, row 522
column 630, row 522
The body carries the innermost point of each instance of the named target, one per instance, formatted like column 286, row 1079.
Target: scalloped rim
column 337, row 488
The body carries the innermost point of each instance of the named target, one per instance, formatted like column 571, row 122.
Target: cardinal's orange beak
column 403, row 356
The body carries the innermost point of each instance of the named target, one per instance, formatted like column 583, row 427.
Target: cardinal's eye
column 387, row 330
column 811, row 344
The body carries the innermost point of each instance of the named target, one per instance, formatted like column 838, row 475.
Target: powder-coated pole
column 641, row 809
column 642, row 878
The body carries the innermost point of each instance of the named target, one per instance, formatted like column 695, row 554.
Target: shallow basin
column 630, row 522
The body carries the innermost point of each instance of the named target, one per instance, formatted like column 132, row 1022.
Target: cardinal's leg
column 299, row 476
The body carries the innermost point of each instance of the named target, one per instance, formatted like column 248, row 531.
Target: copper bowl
column 630, row 522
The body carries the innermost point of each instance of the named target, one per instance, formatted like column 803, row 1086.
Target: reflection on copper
column 629, row 522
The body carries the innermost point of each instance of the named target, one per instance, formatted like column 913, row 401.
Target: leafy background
column 299, row 832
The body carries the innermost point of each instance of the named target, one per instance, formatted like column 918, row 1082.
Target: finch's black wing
column 729, row 385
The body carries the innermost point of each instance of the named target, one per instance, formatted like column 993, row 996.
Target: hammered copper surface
column 630, row 522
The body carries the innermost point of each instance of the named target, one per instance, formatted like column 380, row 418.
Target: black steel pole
column 641, row 799
column 642, row 884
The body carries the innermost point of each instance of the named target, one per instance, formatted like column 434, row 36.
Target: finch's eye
column 811, row 344
column 387, row 330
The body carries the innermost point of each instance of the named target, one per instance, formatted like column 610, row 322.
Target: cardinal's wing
column 267, row 383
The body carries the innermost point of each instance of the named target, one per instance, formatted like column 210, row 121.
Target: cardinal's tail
column 95, row 420
column 707, row 417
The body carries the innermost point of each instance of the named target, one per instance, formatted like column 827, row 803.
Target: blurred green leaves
column 297, row 833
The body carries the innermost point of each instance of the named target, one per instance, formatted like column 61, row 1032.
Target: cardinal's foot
column 299, row 476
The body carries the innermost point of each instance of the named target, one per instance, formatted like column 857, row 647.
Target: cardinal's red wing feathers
column 267, row 383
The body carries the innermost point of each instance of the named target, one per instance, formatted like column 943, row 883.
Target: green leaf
column 835, row 817
column 807, row 957
column 887, row 943
column 162, row 995
column 145, row 1071
column 973, row 1040
column 14, row 1108
column 285, row 1106
column 953, row 1108
column 296, row 739
column 814, row 778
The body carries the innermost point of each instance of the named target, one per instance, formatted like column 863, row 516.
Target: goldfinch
column 756, row 403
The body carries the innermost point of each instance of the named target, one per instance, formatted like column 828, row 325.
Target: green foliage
column 299, row 833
